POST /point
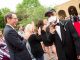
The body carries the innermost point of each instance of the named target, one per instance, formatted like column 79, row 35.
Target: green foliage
column 3, row 11
column 30, row 10
column 1, row 21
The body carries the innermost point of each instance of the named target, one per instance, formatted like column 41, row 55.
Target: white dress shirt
column 10, row 26
column 54, row 19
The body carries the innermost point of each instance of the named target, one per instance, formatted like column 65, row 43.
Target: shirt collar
column 10, row 26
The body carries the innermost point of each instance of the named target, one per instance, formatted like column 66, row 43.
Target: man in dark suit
column 63, row 35
column 15, row 43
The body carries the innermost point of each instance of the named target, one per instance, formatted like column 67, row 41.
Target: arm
column 14, row 40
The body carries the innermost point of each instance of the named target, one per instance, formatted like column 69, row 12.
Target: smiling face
column 13, row 20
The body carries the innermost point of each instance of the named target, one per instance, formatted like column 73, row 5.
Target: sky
column 52, row 3
column 11, row 4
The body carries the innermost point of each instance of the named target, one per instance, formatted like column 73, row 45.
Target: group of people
column 31, row 42
column 65, row 36
column 4, row 52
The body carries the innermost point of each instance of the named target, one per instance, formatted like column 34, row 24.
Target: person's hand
column 52, row 29
column 39, row 31
column 26, row 35
column 78, row 57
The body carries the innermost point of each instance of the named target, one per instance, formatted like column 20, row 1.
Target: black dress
column 46, row 41
column 35, row 45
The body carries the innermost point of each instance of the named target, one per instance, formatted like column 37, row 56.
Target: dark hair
column 40, row 23
column 8, row 15
column 50, row 13
column 53, row 10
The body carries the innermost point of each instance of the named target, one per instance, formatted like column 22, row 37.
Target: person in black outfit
column 48, row 44
column 63, row 36
column 34, row 42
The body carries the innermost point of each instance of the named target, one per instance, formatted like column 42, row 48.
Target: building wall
column 66, row 5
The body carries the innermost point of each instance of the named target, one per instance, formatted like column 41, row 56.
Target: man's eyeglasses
column 14, row 18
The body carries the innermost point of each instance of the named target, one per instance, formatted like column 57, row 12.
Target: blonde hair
column 28, row 27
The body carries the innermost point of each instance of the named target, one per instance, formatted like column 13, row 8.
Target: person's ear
column 8, row 19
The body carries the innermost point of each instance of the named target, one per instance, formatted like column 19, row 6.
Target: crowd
column 56, row 34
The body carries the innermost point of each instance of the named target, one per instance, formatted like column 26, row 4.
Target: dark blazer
column 35, row 45
column 65, row 47
column 17, row 47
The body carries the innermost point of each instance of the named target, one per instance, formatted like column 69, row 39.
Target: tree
column 30, row 10
column 3, row 11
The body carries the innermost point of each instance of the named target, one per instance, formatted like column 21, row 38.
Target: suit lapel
column 63, row 34
column 57, row 36
column 10, row 28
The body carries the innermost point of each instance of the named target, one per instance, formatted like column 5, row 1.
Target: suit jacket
column 17, row 47
column 65, row 47
column 35, row 45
